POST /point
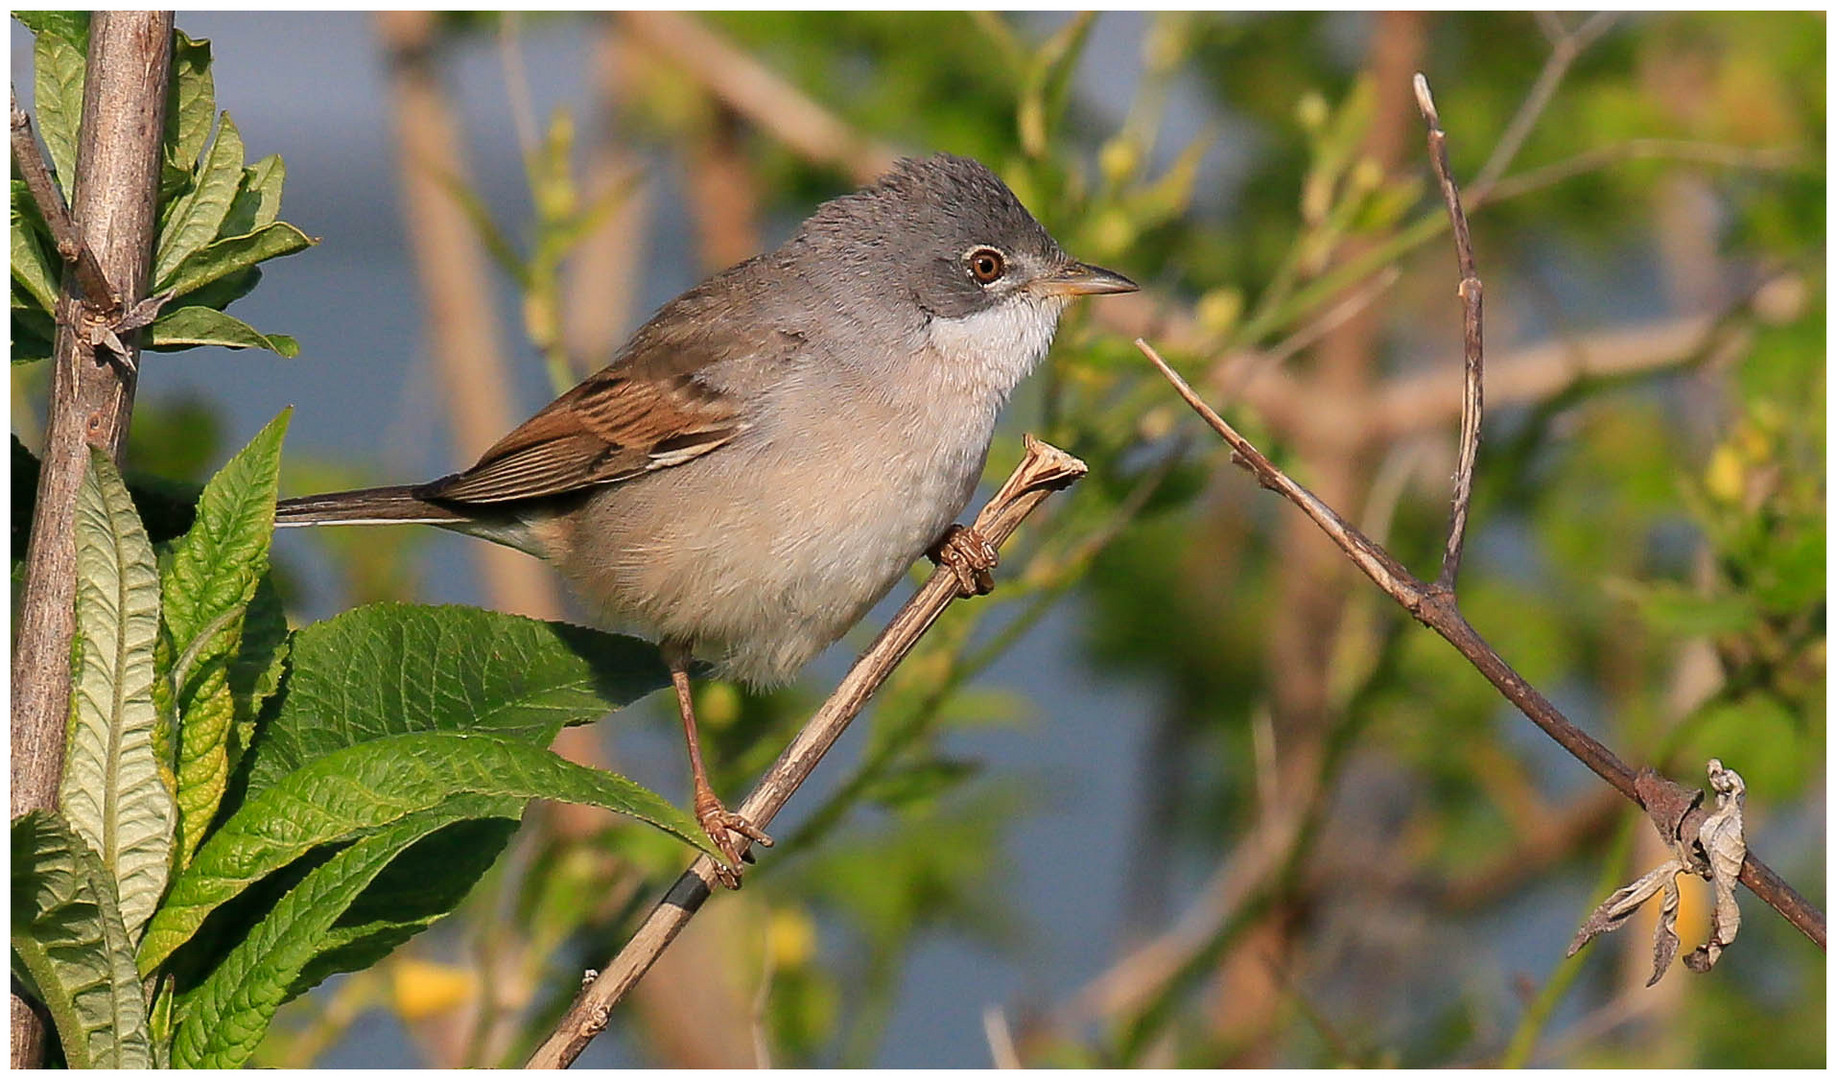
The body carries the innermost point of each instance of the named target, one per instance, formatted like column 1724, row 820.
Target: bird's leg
column 728, row 830
column 969, row 556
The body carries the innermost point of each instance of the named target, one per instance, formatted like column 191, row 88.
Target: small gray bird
column 774, row 448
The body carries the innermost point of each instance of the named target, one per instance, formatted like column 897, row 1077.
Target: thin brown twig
column 50, row 199
column 1473, row 357
column 1704, row 153
column 1565, row 46
column 1435, row 606
column 1043, row 470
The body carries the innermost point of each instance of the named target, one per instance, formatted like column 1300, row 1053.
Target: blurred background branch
column 1181, row 791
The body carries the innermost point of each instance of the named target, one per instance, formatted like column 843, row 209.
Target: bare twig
column 1434, row 605
column 1435, row 609
column 757, row 93
column 1471, row 293
column 1565, row 46
column 50, row 200
column 92, row 401
column 1702, row 153
column 1042, row 471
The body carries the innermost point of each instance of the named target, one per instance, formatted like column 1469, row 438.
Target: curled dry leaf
column 1726, row 845
column 1677, row 814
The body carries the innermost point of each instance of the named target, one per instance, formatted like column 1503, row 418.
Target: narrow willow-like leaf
column 225, row 1018
column 197, row 217
column 111, row 790
column 68, row 937
column 236, row 253
column 208, row 581
column 345, row 794
column 57, row 68
column 388, row 669
column 187, row 327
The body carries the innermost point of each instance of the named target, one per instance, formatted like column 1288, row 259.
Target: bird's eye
column 986, row 265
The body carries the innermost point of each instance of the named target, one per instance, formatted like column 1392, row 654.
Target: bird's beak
column 1083, row 279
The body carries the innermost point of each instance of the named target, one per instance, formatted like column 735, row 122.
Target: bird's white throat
column 991, row 351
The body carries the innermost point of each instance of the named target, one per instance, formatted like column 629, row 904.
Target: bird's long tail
column 397, row 505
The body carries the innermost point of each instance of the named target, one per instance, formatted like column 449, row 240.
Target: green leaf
column 70, row 948
column 57, row 67
column 72, row 26
column 193, row 104
column 386, row 669
column 208, row 580
column 188, row 327
column 343, row 795
column 223, row 292
column 225, row 1018
column 35, row 268
column 225, row 257
column 258, row 200
column 255, row 671
column 165, row 506
column 111, row 791
column 424, row 883
column 196, row 217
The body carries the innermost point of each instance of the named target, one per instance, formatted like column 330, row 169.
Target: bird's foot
column 730, row 833
column 970, row 557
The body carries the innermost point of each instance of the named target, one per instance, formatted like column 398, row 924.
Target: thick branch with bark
column 92, row 390
column 1044, row 470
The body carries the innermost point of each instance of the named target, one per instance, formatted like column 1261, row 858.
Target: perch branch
column 1434, row 605
column 1042, row 471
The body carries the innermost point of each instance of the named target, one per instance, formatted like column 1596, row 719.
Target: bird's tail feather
column 370, row 506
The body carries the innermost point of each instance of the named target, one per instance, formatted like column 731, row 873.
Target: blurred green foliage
column 1648, row 549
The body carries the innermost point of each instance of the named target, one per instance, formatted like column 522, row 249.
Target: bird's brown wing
column 615, row 425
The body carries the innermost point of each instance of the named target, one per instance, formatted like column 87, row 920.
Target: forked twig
column 1434, row 604
column 1044, row 470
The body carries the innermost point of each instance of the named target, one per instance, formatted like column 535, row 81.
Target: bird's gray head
column 944, row 239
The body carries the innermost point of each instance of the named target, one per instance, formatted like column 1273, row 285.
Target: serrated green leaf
column 72, row 26
column 68, row 938
column 57, row 68
column 236, row 253
column 197, row 217
column 208, row 580
column 111, row 791
column 386, row 669
column 193, row 104
column 255, row 671
column 375, row 784
column 189, row 327
column 165, row 506
column 35, row 268
column 225, row 1018
column 422, row 885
